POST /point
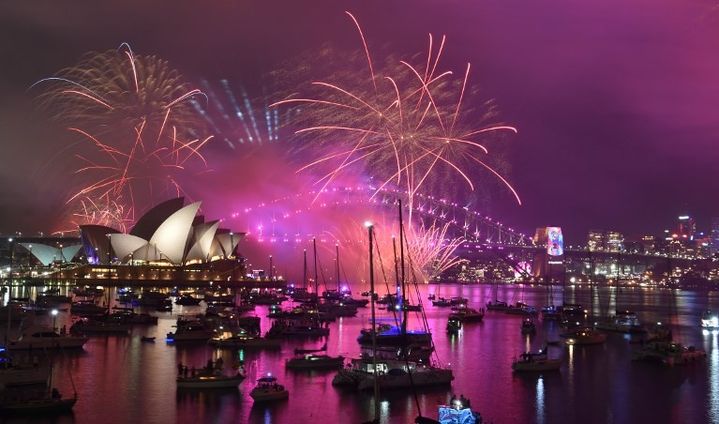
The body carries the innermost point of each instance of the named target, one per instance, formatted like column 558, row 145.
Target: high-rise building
column 686, row 228
column 615, row 241
column 715, row 235
column 596, row 241
column 650, row 243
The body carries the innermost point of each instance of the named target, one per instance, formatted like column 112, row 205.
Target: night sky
column 616, row 102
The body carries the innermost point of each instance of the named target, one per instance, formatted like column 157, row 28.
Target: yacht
column 623, row 322
column 245, row 341
column 209, row 379
column 38, row 404
column 528, row 326
column 47, row 340
column 315, row 362
column 668, row 353
column 497, row 305
column 392, row 374
column 533, row 362
column 465, row 314
column 710, row 320
column 12, row 374
column 453, row 325
column 268, row 389
column 191, row 331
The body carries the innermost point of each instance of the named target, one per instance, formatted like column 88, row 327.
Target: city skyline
column 642, row 160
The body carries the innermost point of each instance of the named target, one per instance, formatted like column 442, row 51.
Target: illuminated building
column 686, row 228
column 596, row 241
column 170, row 233
column 715, row 235
column 615, row 241
column 649, row 243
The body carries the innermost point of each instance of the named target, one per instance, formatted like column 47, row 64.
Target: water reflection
column 540, row 400
column 714, row 377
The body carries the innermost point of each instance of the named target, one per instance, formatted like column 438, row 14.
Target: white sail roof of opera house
column 174, row 233
column 46, row 254
column 204, row 234
column 171, row 236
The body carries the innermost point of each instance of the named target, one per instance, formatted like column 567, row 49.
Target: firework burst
column 137, row 127
column 404, row 125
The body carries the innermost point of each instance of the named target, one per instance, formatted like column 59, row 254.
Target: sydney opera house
column 169, row 244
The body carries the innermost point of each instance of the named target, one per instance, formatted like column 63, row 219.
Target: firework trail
column 140, row 131
column 238, row 119
column 404, row 125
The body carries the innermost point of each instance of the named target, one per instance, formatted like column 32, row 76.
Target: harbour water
column 121, row 379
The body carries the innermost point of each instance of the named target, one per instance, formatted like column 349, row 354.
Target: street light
column 270, row 267
column 54, row 313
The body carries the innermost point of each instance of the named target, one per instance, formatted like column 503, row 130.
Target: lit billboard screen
column 555, row 241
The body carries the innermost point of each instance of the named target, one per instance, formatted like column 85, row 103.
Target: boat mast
column 314, row 250
column 337, row 259
column 401, row 268
column 375, row 380
column 304, row 270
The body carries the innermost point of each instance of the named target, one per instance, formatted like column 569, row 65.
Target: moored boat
column 585, row 336
column 38, row 405
column 13, row 375
column 209, row 380
column 534, row 362
column 668, row 353
column 528, row 326
column 47, row 340
column 268, row 389
column 312, row 361
column 464, row 314
column 710, row 320
column 622, row 322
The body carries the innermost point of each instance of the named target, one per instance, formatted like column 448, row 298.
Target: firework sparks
column 139, row 129
column 405, row 126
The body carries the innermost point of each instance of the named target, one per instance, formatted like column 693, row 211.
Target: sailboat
column 43, row 401
column 399, row 367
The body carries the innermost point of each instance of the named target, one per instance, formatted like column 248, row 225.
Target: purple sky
column 617, row 102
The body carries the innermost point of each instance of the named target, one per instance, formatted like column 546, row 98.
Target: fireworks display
column 139, row 132
column 236, row 118
column 403, row 126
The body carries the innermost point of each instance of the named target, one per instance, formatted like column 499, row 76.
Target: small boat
column 48, row 403
column 585, row 336
column 315, row 362
column 97, row 326
column 431, row 297
column 243, row 341
column 710, row 320
column 12, row 374
column 668, row 353
column 457, row 411
column 465, row 314
column 520, row 308
column 47, row 340
column 533, row 362
column 214, row 379
column 528, row 326
column 147, row 339
column 268, row 389
column 454, row 325
column 623, row 322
